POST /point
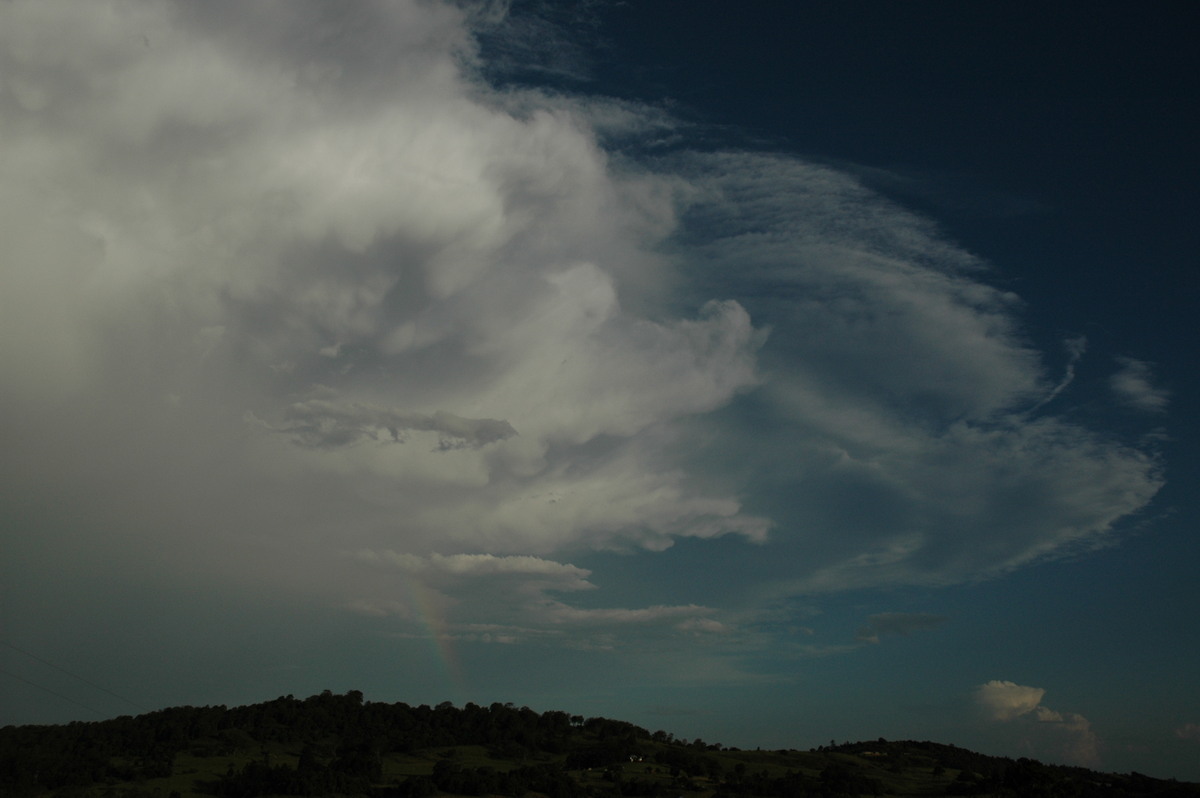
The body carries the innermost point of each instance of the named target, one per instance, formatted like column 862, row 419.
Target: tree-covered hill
column 331, row 744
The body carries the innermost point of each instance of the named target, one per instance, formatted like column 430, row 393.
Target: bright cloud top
column 1009, row 701
column 309, row 285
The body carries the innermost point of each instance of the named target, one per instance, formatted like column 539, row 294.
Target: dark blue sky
column 1084, row 112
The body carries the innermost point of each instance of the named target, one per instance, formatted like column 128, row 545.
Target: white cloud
column 444, row 266
column 1008, row 701
column 1004, row 700
column 1134, row 386
column 1075, row 348
column 323, row 423
column 703, row 625
column 900, row 388
column 488, row 598
column 328, row 225
column 566, row 576
column 1047, row 715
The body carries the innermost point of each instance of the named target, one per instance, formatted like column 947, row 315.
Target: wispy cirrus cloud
column 853, row 287
column 1134, row 386
column 1075, row 348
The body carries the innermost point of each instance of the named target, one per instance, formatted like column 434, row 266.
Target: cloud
column 284, row 282
column 1133, row 386
column 932, row 466
column 1007, row 701
column 898, row 623
column 565, row 576
column 321, row 423
column 406, row 257
column 488, row 598
column 1075, row 348
column 683, row 616
column 1083, row 746
column 539, row 39
column 703, row 625
column 1188, row 731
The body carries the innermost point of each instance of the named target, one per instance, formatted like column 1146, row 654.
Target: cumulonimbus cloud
column 211, row 214
column 321, row 423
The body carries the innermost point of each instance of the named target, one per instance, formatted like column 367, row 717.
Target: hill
column 341, row 745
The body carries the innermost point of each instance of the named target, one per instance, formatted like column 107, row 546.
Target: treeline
column 338, row 745
column 984, row 775
column 36, row 759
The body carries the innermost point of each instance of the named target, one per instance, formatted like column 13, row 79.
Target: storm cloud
column 283, row 283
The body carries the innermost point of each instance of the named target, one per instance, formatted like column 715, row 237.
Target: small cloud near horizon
column 1189, row 731
column 1069, row 734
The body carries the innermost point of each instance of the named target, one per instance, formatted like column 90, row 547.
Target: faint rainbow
column 430, row 606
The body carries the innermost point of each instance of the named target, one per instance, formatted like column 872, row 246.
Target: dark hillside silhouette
column 341, row 745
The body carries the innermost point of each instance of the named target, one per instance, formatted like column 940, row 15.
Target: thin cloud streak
column 1134, row 386
column 1075, row 349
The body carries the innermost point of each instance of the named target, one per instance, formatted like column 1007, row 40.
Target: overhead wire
column 52, row 692
column 61, row 669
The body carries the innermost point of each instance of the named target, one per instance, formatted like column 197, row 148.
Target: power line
column 52, row 692
column 73, row 676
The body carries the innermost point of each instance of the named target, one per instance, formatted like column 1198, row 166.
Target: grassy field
column 192, row 772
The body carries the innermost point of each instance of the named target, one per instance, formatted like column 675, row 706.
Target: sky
column 770, row 376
